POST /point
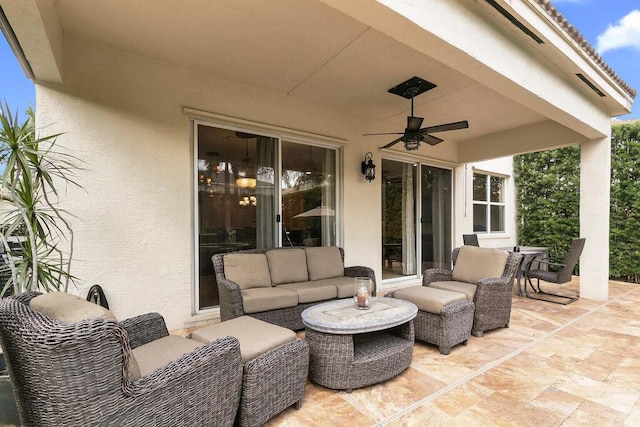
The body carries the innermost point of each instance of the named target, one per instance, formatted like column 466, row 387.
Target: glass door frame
column 339, row 183
column 418, row 196
column 280, row 135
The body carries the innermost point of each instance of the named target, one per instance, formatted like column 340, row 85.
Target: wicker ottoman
column 275, row 368
column 445, row 318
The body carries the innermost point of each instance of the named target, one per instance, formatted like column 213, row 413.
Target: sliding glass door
column 236, row 198
column 308, row 195
column 415, row 236
column 241, row 178
column 436, row 217
column 398, row 219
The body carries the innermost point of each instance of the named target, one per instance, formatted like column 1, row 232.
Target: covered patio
column 556, row 365
column 128, row 86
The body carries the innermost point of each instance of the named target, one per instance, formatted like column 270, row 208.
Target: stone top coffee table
column 352, row 348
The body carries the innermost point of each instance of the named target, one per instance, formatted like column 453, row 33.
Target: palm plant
column 29, row 212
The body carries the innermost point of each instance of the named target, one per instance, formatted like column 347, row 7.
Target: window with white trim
column 488, row 203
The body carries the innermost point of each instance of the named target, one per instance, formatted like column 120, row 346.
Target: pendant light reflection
column 246, row 172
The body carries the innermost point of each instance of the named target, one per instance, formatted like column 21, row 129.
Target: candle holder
column 362, row 292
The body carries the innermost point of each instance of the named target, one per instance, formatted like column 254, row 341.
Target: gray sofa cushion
column 247, row 270
column 158, row 353
column 256, row 337
column 324, row 262
column 429, row 299
column 468, row 289
column 312, row 291
column 287, row 266
column 257, row 300
column 67, row 308
column 475, row 263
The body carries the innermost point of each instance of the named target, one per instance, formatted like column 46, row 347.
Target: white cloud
column 625, row 34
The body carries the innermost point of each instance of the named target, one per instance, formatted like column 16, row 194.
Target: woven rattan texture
column 451, row 327
column 76, row 375
column 345, row 362
column 231, row 298
column 493, row 295
column 272, row 382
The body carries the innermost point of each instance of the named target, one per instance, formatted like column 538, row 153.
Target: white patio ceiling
column 302, row 48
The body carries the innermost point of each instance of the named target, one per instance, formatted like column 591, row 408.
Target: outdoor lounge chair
column 564, row 270
column 485, row 276
column 71, row 372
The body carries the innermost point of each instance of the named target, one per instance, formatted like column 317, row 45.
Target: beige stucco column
column 595, row 164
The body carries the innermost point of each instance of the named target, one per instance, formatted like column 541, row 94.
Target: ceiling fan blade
column 449, row 126
column 387, row 133
column 392, row 143
column 431, row 140
column 414, row 123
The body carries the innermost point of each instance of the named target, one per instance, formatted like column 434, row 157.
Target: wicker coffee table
column 351, row 348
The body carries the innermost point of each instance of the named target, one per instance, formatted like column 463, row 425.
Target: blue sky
column 611, row 26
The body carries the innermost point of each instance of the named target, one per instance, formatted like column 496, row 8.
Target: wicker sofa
column 276, row 285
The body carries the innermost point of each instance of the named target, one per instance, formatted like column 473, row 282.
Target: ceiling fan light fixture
column 412, row 142
column 414, row 134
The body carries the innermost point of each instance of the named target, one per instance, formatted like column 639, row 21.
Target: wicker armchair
column 492, row 297
column 77, row 374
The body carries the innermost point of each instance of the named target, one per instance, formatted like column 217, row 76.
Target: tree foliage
column 625, row 202
column 548, row 202
column 30, row 219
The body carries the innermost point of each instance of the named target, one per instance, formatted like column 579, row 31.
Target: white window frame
column 488, row 203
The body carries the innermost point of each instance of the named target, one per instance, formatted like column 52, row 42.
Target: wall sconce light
column 368, row 168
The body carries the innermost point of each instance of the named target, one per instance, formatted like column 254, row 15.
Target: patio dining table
column 529, row 254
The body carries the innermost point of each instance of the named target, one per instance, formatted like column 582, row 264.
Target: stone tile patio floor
column 571, row 365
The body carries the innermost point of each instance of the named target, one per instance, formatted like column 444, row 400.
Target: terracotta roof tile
column 584, row 44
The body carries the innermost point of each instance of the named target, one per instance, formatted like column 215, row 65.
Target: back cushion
column 247, row 270
column 287, row 266
column 475, row 263
column 67, row 308
column 324, row 262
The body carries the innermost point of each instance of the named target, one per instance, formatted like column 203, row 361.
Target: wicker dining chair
column 81, row 374
column 558, row 271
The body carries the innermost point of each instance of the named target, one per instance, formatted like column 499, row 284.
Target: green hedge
column 548, row 202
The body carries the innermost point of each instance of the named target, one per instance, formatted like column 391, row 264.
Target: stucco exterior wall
column 134, row 228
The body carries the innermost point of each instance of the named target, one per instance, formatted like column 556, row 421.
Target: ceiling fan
column 413, row 134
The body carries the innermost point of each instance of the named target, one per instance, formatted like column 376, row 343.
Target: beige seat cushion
column 312, row 291
column 427, row 299
column 345, row 285
column 287, row 266
column 474, row 264
column 264, row 299
column 468, row 289
column 67, row 308
column 158, row 353
column 247, row 270
column 256, row 337
column 324, row 262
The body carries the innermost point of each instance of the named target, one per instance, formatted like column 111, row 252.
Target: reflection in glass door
column 308, row 195
column 236, row 199
column 398, row 219
column 436, row 217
